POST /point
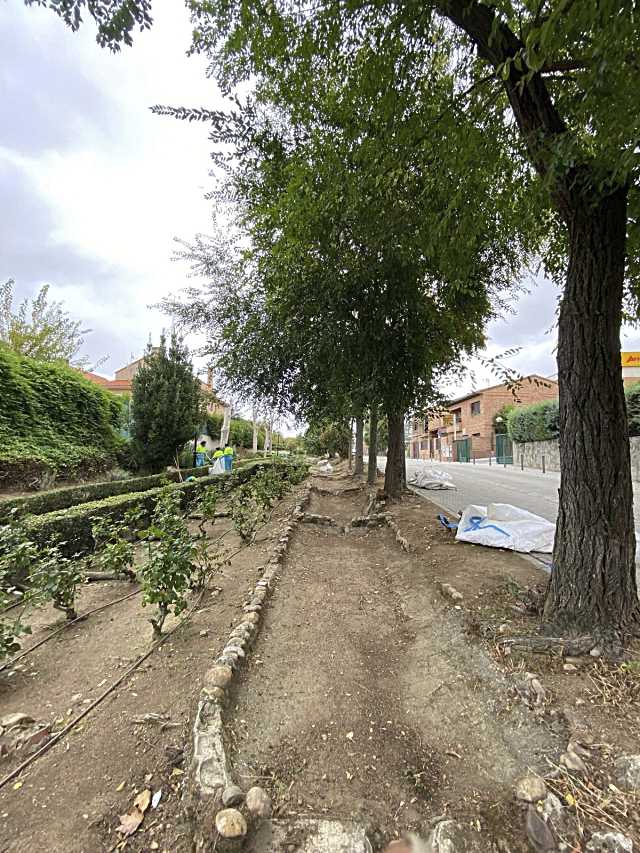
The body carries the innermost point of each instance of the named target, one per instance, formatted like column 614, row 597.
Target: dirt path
column 365, row 699
column 70, row 799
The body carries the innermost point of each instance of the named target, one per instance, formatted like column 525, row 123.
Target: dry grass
column 595, row 806
column 617, row 688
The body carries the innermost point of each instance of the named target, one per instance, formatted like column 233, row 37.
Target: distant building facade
column 122, row 383
column 467, row 425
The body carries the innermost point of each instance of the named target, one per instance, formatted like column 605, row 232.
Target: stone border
column 210, row 768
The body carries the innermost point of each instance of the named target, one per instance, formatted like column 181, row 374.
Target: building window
column 426, row 425
column 457, row 416
column 424, row 445
column 475, row 408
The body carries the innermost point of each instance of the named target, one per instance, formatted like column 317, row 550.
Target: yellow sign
column 447, row 419
column 630, row 359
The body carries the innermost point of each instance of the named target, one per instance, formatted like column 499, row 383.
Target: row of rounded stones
column 218, row 678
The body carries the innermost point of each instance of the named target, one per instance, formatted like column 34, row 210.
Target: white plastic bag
column 218, row 466
column 430, row 478
column 326, row 468
column 506, row 526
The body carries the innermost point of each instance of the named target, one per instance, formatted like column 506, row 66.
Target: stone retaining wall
column 533, row 451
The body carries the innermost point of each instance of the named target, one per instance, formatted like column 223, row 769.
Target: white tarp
column 325, row 468
column 217, row 467
column 430, row 478
column 506, row 526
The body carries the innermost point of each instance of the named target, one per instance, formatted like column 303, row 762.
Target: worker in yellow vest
column 218, row 462
column 228, row 458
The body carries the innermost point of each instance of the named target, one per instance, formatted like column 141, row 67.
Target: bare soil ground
column 370, row 696
column 70, row 798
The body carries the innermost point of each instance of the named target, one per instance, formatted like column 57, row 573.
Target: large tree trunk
column 350, row 450
column 372, row 465
column 359, row 461
column 395, row 475
column 593, row 583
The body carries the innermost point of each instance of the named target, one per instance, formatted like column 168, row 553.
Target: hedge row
column 72, row 526
column 53, row 421
column 541, row 421
column 537, row 422
column 55, row 499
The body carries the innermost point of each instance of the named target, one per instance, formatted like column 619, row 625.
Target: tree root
column 609, row 647
column 125, row 575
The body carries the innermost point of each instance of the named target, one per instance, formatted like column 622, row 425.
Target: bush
column 53, row 422
column 538, row 422
column 73, row 525
column 632, row 393
column 72, row 496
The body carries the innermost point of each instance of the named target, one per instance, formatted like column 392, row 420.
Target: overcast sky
column 94, row 187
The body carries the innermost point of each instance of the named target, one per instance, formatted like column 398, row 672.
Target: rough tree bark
column 372, row 464
column 593, row 585
column 358, row 467
column 395, row 474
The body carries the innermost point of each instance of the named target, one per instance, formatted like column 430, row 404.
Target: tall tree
column 39, row 328
column 167, row 403
column 567, row 73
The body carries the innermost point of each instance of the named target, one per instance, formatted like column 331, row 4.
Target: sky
column 95, row 187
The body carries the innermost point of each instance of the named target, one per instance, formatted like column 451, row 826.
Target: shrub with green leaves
column 248, row 510
column 538, row 422
column 206, row 507
column 53, row 421
column 55, row 578
column 632, row 395
column 17, row 554
column 113, row 548
column 167, row 574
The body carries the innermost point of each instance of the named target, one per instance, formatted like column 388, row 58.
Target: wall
column 534, row 450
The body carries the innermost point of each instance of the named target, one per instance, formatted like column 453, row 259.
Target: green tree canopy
column 167, row 403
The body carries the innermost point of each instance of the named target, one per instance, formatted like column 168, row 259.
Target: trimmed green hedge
column 73, row 525
column 55, row 499
column 53, row 421
column 541, row 421
column 537, row 422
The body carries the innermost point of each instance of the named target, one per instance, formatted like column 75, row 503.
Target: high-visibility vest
column 228, row 451
column 218, row 454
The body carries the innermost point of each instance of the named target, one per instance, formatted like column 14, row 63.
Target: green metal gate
column 463, row 449
column 504, row 449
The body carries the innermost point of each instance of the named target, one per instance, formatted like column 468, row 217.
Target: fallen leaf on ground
column 156, row 799
column 177, row 772
column 120, row 786
column 142, row 800
column 130, row 822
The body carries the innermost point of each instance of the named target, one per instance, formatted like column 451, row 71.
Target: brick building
column 123, row 383
column 466, row 428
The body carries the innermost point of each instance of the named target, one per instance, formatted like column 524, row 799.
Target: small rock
column 530, row 789
column 502, row 629
column 610, row 842
column 17, row 719
column 252, row 617
column 32, row 741
column 218, row 676
column 232, row 796
column 216, row 694
column 204, row 632
column 627, row 772
column 539, row 834
column 573, row 762
column 578, row 749
column 569, row 667
column 230, row 823
column 451, row 592
column 258, row 803
column 552, row 809
column 596, row 652
column 446, row 837
column 577, row 662
column 77, row 697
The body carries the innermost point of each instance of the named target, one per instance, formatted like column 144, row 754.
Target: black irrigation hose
column 59, row 735
column 64, row 627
